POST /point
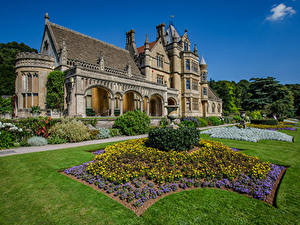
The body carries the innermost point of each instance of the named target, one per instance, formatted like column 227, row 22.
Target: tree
column 268, row 95
column 55, row 90
column 227, row 91
column 243, row 95
column 295, row 89
column 8, row 54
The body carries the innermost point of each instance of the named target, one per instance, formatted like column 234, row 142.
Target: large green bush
column 165, row 139
column 70, row 130
column 133, row 123
column 6, row 139
column 202, row 122
column 214, row 121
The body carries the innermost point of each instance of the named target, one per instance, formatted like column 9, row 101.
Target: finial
column 185, row 30
column 195, row 50
column 46, row 17
column 147, row 41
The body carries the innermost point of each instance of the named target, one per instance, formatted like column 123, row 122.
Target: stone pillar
column 80, row 106
column 112, row 108
column 121, row 106
column 141, row 102
column 148, row 107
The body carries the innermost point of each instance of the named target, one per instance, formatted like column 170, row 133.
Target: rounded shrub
column 202, row 122
column 215, row 121
column 181, row 139
column 103, row 133
column 133, row 123
column 56, row 140
column 71, row 130
column 37, row 141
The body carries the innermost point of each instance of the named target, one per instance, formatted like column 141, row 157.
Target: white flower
column 247, row 134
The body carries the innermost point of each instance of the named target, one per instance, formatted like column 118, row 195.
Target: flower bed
column 137, row 175
column 247, row 134
column 280, row 126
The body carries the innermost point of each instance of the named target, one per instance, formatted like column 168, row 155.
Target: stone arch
column 132, row 100
column 219, row 108
column 146, row 104
column 171, row 101
column 98, row 100
column 213, row 108
column 156, row 105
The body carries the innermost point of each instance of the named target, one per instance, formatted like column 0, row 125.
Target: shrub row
column 265, row 122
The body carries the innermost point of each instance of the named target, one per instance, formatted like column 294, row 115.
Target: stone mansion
column 104, row 80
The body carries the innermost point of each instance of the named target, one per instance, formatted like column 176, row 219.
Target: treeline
column 266, row 95
column 8, row 54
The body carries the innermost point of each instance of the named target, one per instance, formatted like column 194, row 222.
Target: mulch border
column 270, row 199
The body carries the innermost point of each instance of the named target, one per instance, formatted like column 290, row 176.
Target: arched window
column 204, row 91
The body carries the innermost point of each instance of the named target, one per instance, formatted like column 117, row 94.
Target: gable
column 48, row 45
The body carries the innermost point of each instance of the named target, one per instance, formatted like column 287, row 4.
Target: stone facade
column 104, row 80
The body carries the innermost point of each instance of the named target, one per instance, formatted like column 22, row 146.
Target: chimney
column 161, row 32
column 130, row 42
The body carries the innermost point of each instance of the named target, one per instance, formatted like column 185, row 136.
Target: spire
column 195, row 50
column 46, row 17
column 146, row 43
column 202, row 61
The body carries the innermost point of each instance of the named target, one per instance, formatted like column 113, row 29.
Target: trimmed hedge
column 265, row 122
column 166, row 139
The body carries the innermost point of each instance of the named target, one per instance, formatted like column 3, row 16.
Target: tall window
column 188, row 104
column 187, row 64
column 159, row 61
column 188, row 84
column 194, row 66
column 30, row 87
column 160, row 79
column 195, row 104
column 186, row 46
column 204, row 76
column 204, row 91
column 195, row 84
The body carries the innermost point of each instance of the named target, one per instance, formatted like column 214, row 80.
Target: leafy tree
column 8, row 54
column 243, row 93
column 5, row 105
column 227, row 91
column 55, row 90
column 295, row 89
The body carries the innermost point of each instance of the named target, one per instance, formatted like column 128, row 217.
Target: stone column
column 121, row 106
column 148, row 110
column 112, row 108
column 141, row 102
column 80, row 106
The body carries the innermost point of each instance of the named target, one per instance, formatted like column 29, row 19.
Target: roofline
column 78, row 33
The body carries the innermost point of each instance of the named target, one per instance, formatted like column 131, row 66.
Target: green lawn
column 33, row 192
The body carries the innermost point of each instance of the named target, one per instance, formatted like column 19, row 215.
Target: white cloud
column 280, row 11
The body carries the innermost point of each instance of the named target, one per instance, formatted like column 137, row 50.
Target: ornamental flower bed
column 137, row 176
column 247, row 134
column 272, row 127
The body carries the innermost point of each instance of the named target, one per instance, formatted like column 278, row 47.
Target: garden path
column 30, row 149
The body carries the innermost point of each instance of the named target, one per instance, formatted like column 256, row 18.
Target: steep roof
column 87, row 49
column 142, row 48
column 202, row 61
column 212, row 95
column 172, row 35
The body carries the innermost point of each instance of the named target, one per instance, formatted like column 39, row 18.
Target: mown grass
column 33, row 192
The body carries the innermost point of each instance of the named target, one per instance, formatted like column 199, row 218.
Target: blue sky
column 239, row 39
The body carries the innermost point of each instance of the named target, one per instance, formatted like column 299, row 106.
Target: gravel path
column 30, row 149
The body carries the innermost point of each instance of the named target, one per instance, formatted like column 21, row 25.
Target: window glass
column 187, row 64
column 188, row 84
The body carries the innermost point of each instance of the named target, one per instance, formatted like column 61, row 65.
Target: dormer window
column 186, row 46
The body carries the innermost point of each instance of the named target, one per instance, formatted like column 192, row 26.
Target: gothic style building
column 104, row 80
